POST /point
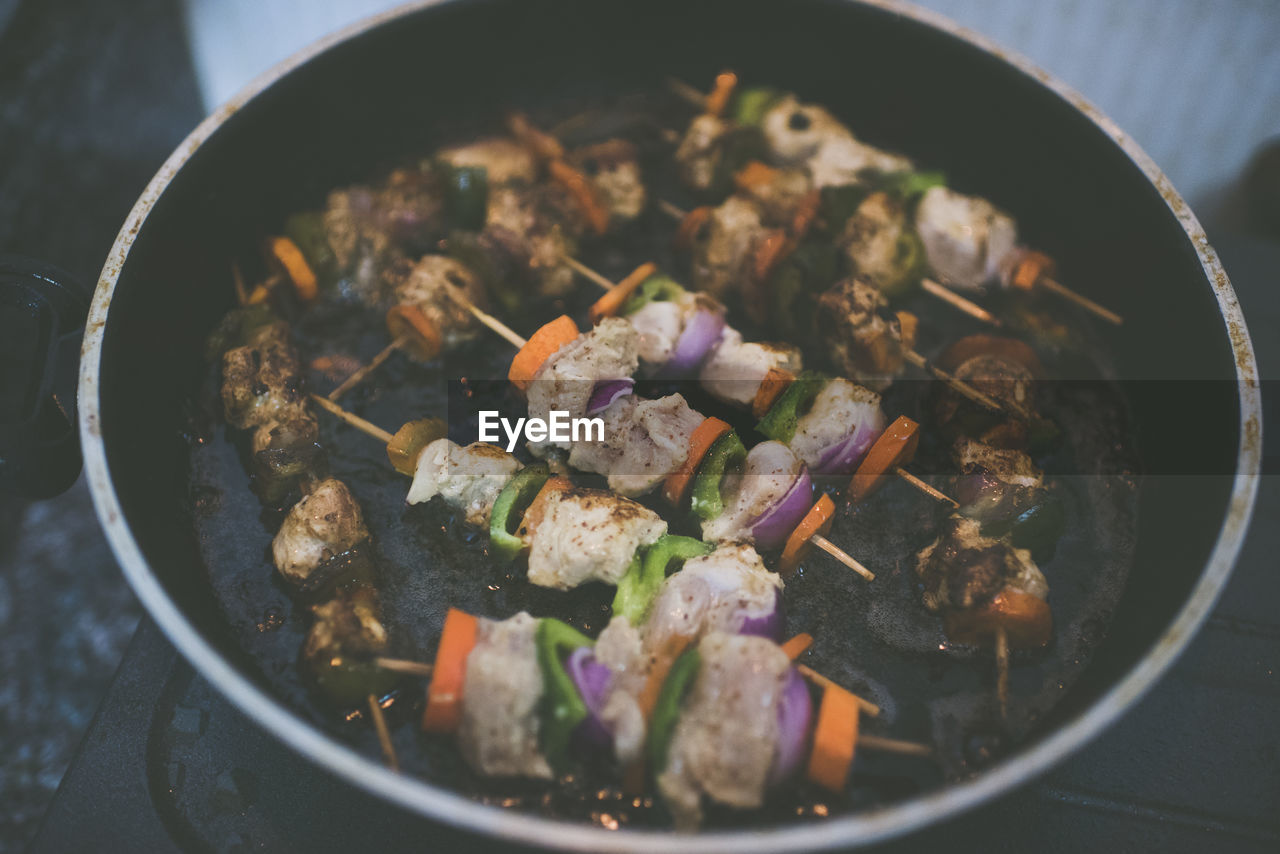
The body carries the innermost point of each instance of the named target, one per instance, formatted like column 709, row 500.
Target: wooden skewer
column 358, row 376
column 400, row 665
column 497, row 326
column 384, row 734
column 587, row 272
column 969, row 307
column 895, row 745
column 842, row 556
column 1002, row 670
column 961, row 386
column 242, row 293
column 1053, row 286
column 868, row 708
column 354, row 420
column 924, row 487
column 687, row 92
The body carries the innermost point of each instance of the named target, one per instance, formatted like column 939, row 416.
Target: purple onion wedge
column 699, row 336
column 774, row 525
column 606, row 392
column 767, row 624
column 843, row 456
column 592, row 679
column 795, row 712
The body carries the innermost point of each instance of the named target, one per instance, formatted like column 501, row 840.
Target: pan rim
column 443, row 805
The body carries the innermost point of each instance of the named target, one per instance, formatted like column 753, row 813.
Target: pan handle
column 42, row 315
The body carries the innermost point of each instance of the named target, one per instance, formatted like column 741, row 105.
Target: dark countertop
column 94, row 95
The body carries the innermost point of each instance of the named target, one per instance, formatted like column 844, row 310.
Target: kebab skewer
column 965, row 239
column 317, row 549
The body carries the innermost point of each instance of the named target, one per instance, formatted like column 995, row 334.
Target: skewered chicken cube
column 866, row 345
column 498, row 732
column 262, row 381
column 736, row 367
column 324, row 524
column 963, row 570
column 966, row 238
column 582, row 535
column 644, row 441
column 469, row 477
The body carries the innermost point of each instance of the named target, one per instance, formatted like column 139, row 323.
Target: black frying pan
column 399, row 84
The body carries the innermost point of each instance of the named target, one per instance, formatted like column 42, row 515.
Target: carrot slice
column 772, row 248
column 612, row 301
column 775, row 382
column 543, row 145
column 1030, row 268
column 287, row 259
column 448, row 677
column 805, row 215
column 579, row 187
column 542, row 345
column 1026, row 619
column 700, row 442
column 663, row 660
column 895, row 447
column 754, row 176
column 795, row 647
column 835, row 738
column 691, row 226
column 538, row 507
column 980, row 344
column 726, row 82
column 424, row 342
column 908, row 324
column 816, row 521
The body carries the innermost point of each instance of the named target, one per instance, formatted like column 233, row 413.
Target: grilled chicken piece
column 644, row 441
column 736, row 368
column 262, row 381
column 864, row 344
column 962, row 569
column 469, row 478
column 807, row 135
column 840, row 409
column 966, row 239
column 613, row 167
column 723, row 260
column 1006, row 380
column 698, row 155
column 770, row 470
column 780, row 199
column 996, row 483
column 588, row 535
column 503, row 159
column 324, row 524
column 440, row 286
column 725, row 740
column 498, row 733
column 541, row 219
column 608, row 352
column 879, row 243
column 718, row 592
column 351, row 624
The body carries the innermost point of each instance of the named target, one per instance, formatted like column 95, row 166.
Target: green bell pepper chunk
column 1037, row 528
column 909, row 185
column 235, row 328
column 667, row 711
column 509, row 508
column 306, row 229
column 347, row 682
column 808, row 270
column 750, row 104
column 638, row 588
column 467, row 195
column 780, row 421
column 838, row 205
column 725, row 455
column 562, row 706
column 909, row 264
column 656, row 288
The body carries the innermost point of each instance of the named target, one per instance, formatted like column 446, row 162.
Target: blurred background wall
column 1195, row 82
